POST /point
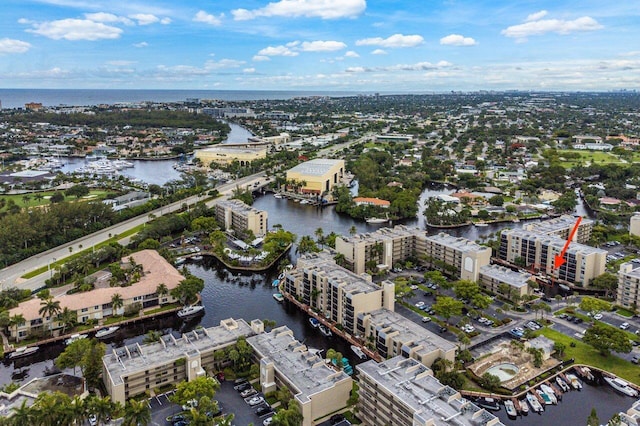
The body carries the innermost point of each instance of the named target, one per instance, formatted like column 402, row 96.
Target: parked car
column 248, row 392
column 426, row 319
column 93, row 420
column 255, row 400
column 419, row 304
column 635, row 359
column 597, row 316
column 264, row 410
column 242, row 387
column 625, row 325
column 267, row 421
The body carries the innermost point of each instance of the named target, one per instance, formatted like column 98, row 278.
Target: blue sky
column 356, row 45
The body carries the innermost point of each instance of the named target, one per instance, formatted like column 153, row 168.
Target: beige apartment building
column 494, row 277
column 561, row 227
column 402, row 391
column 317, row 176
column 455, row 256
column 317, row 388
column 380, row 249
column 96, row 304
column 335, row 292
column 628, row 294
column 392, row 334
column 134, row 369
column 228, row 153
column 634, row 225
column 537, row 252
column 237, row 216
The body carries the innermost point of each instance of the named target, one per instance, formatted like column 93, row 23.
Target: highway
column 11, row 275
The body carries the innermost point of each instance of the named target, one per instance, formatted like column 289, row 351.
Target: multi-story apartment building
column 237, row 216
column 134, row 369
column 381, row 248
column 561, row 227
column 536, row 251
column 392, row 334
column 316, row 176
column 97, row 304
column 494, row 278
column 317, row 388
column 402, row 391
column 629, row 285
column 455, row 256
column 335, row 292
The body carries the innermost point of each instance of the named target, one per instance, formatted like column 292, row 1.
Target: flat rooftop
column 323, row 262
column 413, row 384
column 398, row 231
column 306, row 372
column 631, row 269
column 317, row 167
column 564, row 222
column 506, row 275
column 410, row 332
column 237, row 206
column 127, row 360
column 458, row 243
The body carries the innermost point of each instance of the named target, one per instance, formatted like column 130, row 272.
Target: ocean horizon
column 17, row 98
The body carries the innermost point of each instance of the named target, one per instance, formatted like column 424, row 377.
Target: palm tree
column 22, row 415
column 116, row 302
column 15, row 321
column 78, row 410
column 319, row 234
column 136, row 413
column 49, row 308
column 353, row 230
column 162, row 290
column 102, row 408
column 152, row 336
column 68, row 318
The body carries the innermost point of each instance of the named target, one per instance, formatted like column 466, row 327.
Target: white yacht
column 621, row 386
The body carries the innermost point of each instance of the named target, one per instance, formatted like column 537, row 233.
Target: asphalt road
column 11, row 275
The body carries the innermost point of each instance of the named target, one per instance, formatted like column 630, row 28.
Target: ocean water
column 16, row 98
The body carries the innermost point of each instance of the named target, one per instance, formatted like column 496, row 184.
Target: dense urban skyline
column 408, row 46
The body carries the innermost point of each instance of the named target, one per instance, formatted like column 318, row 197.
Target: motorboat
column 190, row 311
column 74, row 338
column 275, row 283
column 545, row 397
column 106, row 332
column 535, row 404
column 574, row 381
column 314, row 322
column 179, row 261
column 481, row 224
column 277, row 195
column 563, row 385
column 197, row 257
column 550, row 393
column 358, row 351
column 510, row 407
column 621, row 386
column 281, row 276
column 488, row 404
column 376, row 220
column 325, row 330
column 279, row 297
column 524, row 407
column 23, row 351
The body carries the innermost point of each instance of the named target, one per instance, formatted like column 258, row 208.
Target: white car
column 419, row 304
column 267, row 421
column 248, row 392
column 597, row 316
column 624, row 325
column 426, row 319
column 93, row 420
column 255, row 400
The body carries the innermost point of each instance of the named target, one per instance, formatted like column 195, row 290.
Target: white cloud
column 420, row 66
column 165, row 21
column 145, row 18
column 351, row 54
column 356, row 69
column 107, row 17
column 249, row 70
column 396, row 40
column 324, row 9
column 558, row 26
column 277, row 51
column 223, row 64
column 141, row 44
column 536, row 16
column 207, row 18
column 322, row 46
column 261, row 58
column 457, row 40
column 379, row 52
column 75, row 29
column 9, row 45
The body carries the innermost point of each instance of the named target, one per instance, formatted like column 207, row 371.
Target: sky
column 402, row 46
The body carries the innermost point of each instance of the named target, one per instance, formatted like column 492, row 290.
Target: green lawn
column 597, row 157
column 585, row 354
column 624, row 312
column 34, row 200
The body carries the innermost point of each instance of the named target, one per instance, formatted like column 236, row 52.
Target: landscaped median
column 586, row 354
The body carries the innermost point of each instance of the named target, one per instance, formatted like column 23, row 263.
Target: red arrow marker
column 560, row 260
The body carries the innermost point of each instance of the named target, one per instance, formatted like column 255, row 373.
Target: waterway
column 156, row 172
